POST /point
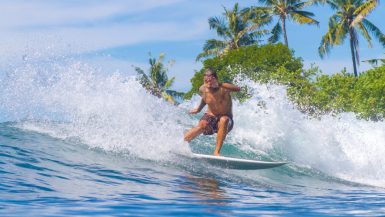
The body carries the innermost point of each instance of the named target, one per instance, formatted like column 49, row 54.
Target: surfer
column 219, row 117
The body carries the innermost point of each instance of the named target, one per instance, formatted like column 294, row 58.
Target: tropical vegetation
column 311, row 91
column 236, row 28
column 240, row 54
column 260, row 63
column 156, row 80
column 285, row 10
column 375, row 62
column 350, row 20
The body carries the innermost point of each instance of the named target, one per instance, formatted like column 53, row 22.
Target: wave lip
column 113, row 112
column 77, row 101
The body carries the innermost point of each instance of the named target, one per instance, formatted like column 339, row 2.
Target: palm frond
column 244, row 31
column 298, row 5
column 335, row 5
column 143, row 78
column 363, row 11
column 341, row 32
column 365, row 33
column 169, row 83
column 214, row 44
column 209, row 53
column 329, row 39
column 276, row 33
column 175, row 94
column 316, row 2
column 219, row 25
column 374, row 62
column 374, row 30
column 303, row 17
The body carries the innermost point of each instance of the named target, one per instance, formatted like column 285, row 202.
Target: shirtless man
column 218, row 117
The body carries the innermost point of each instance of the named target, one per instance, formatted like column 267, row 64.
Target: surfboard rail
column 236, row 163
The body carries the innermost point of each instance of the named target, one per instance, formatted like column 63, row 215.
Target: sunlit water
column 75, row 141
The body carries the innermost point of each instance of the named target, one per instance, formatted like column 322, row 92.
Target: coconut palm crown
column 286, row 10
column 237, row 28
column 156, row 80
column 350, row 21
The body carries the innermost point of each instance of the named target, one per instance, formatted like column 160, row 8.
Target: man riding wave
column 219, row 117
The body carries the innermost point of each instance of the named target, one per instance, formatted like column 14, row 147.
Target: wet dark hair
column 211, row 72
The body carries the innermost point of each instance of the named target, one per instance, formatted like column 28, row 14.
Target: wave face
column 341, row 146
column 77, row 102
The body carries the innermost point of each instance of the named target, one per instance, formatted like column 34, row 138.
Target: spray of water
column 73, row 100
column 76, row 101
column 341, row 146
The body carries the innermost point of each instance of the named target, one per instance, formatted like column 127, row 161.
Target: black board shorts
column 212, row 126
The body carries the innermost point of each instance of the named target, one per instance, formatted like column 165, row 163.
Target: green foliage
column 312, row 92
column 350, row 20
column 272, row 62
column 327, row 94
column 375, row 62
column 156, row 80
column 342, row 92
column 236, row 28
column 369, row 94
column 283, row 10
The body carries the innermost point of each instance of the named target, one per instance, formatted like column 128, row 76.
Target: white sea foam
column 341, row 146
column 113, row 112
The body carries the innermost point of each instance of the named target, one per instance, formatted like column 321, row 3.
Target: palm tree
column 374, row 62
column 237, row 28
column 286, row 10
column 349, row 20
column 156, row 80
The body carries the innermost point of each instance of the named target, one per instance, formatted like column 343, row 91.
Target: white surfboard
column 235, row 163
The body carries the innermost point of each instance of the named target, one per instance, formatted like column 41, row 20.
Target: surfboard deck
column 235, row 163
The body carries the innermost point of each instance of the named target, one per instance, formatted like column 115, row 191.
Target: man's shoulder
column 223, row 87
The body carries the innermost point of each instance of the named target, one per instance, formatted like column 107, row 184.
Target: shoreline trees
column 156, row 80
column 236, row 28
column 348, row 21
column 285, row 10
column 311, row 91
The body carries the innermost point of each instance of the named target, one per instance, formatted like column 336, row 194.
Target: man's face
column 210, row 81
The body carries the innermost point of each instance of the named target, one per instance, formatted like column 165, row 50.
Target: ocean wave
column 113, row 112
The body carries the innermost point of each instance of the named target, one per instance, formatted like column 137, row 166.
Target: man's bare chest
column 216, row 98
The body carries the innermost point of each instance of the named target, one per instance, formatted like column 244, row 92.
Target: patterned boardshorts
column 212, row 126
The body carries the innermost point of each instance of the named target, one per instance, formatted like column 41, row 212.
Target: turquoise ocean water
column 75, row 141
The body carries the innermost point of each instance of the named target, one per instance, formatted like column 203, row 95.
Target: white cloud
column 16, row 14
column 41, row 25
column 93, row 38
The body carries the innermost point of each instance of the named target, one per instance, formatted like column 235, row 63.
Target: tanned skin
column 218, row 100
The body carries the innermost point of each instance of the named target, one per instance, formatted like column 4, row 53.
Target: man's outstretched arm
column 200, row 107
column 231, row 87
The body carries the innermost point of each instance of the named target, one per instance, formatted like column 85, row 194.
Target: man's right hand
column 194, row 111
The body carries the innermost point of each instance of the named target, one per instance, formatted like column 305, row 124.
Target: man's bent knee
column 224, row 120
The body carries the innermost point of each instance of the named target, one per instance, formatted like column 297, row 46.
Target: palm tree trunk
column 283, row 20
column 353, row 54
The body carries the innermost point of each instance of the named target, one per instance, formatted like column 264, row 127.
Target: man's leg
column 221, row 134
column 196, row 131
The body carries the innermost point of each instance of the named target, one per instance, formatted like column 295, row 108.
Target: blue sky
column 117, row 34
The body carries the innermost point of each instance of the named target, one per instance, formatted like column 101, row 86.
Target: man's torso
column 218, row 102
